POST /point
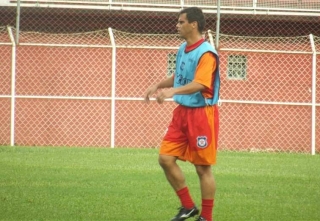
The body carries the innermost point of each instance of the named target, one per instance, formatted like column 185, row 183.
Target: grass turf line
column 51, row 183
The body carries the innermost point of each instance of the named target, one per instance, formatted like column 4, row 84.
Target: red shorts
column 193, row 135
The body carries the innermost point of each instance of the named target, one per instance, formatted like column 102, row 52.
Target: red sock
column 185, row 198
column 207, row 208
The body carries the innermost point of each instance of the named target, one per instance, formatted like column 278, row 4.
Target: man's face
column 184, row 28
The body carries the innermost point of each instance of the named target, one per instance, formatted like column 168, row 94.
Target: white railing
column 294, row 7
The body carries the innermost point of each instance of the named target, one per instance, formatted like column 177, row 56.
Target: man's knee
column 204, row 170
column 166, row 161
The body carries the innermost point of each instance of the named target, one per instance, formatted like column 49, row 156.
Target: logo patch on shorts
column 202, row 141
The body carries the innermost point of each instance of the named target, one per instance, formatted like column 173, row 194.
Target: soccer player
column 193, row 132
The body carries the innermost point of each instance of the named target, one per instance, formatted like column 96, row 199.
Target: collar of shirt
column 195, row 45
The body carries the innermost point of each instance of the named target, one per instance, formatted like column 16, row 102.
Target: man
column 193, row 132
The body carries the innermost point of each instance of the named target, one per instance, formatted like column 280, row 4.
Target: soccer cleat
column 184, row 213
column 200, row 218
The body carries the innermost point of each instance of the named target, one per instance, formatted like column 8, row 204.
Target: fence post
column 13, row 87
column 211, row 38
column 113, row 87
column 314, row 86
column 218, row 25
column 18, row 22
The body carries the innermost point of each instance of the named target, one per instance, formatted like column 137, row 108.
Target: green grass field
column 42, row 183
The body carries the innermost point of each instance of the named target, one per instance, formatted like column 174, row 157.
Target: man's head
column 194, row 17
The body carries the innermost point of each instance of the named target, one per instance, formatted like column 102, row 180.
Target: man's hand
column 150, row 91
column 165, row 94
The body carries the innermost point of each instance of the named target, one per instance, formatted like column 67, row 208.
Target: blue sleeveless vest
column 186, row 64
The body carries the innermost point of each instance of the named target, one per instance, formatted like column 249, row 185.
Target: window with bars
column 237, row 67
column 171, row 64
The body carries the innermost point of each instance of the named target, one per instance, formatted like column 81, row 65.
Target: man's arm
column 167, row 83
column 190, row 88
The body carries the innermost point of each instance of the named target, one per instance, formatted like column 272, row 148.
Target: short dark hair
column 195, row 14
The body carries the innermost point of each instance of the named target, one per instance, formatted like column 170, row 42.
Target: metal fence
column 74, row 74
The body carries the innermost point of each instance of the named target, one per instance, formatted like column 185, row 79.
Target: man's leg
column 208, row 189
column 176, row 179
column 172, row 171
